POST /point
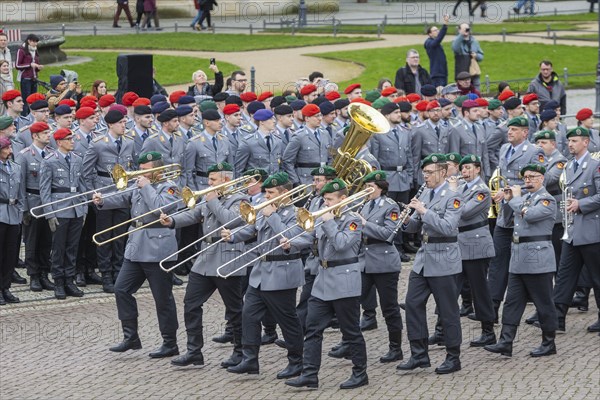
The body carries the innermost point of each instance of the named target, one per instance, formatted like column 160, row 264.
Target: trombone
column 190, row 197
column 121, row 179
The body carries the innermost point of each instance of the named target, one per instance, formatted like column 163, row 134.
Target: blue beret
column 167, row 115
column 326, row 107
column 183, row 110
column 551, row 105
column 62, row 110
column 183, row 100
column 428, row 90
column 157, row 98
column 297, row 105
column 254, row 106
column 233, row 99
column 263, row 115
column 548, row 114
column 472, row 96
column 159, row 107
column 444, row 102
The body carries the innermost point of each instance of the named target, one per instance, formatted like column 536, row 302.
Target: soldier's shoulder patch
column 131, row 132
column 560, row 165
column 546, row 202
column 353, row 226
column 541, row 158
column 390, row 201
column 177, row 133
column 394, row 216
column 23, row 129
column 172, row 190
column 98, row 138
column 25, row 150
column 128, row 137
column 153, row 136
column 50, row 155
column 481, row 197
column 456, row 203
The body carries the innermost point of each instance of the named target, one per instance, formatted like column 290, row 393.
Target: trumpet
column 496, row 183
column 250, row 212
column 567, row 195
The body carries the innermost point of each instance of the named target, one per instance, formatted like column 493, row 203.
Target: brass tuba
column 496, row 183
column 365, row 121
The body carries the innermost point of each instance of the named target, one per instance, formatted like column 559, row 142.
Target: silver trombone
column 567, row 196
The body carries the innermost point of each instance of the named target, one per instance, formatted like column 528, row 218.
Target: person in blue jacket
column 438, row 66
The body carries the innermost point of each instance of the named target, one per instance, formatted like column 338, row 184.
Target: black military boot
column 237, row 355
column 249, row 364
column 561, row 310
column 226, row 337
column 108, row 285
column 176, row 280
column 418, row 356
column 309, row 378
column 80, row 280
column 368, row 321
column 595, row 327
column 581, row 299
column 46, row 283
column 496, row 309
column 504, row 345
column 438, row 335
column 532, row 319
column 294, row 367
column 131, row 339
column 9, row 297
column 357, row 379
column 193, row 356
column 168, row 348
column 34, row 283
column 395, row 352
column 547, row 348
column 71, row 289
column 487, row 335
column 92, row 278
column 343, row 351
column 18, row 279
column 269, row 336
column 59, row 289
column 451, row 363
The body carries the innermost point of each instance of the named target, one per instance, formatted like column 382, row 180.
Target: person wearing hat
column 549, row 122
column 13, row 104
column 63, row 117
column 468, row 136
column 338, row 242
column 353, row 91
column 12, row 205
column 585, row 118
column 187, row 120
column 37, row 234
column 449, row 112
column 308, row 148
column 284, row 117
column 216, row 211
column 453, row 161
column 61, row 176
column 513, row 156
column 143, row 126
column 580, row 247
column 144, row 249
column 41, row 113
column 342, row 120
column 232, row 122
column 436, row 267
column 7, row 127
column 411, row 77
column 297, row 106
column 327, row 122
column 168, row 141
column 274, row 280
column 308, row 93
column 548, row 87
column 499, row 136
column 494, row 118
column 530, row 278
column 532, row 111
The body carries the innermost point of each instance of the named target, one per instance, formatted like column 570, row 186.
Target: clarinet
column 406, row 212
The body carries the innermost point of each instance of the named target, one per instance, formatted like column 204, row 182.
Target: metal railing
column 487, row 82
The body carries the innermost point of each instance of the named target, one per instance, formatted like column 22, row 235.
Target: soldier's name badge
column 285, row 212
column 480, row 196
column 586, row 190
column 353, row 226
column 546, row 202
column 394, row 216
column 456, row 203
column 60, row 170
column 560, row 165
column 443, row 193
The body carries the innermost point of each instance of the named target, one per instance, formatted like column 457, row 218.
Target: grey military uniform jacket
column 424, row 141
column 312, row 262
column 102, row 155
column 252, row 152
column 58, row 181
column 534, row 216
column 585, row 183
column 464, row 141
column 304, row 153
column 556, row 164
column 440, row 220
column 475, row 242
column 250, row 244
column 496, row 139
column 24, row 139
column 234, row 136
column 285, row 135
column 395, row 157
column 156, row 242
column 365, row 154
column 171, row 154
column 30, row 161
column 12, row 194
column 212, row 215
column 200, row 155
column 81, row 141
column 139, row 138
column 380, row 256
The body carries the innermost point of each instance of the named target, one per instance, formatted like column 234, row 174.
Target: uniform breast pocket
column 347, row 280
column 108, row 160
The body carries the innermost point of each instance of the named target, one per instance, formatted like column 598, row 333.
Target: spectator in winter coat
column 412, row 76
column 438, row 65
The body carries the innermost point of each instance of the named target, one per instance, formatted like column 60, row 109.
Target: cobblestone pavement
column 51, row 350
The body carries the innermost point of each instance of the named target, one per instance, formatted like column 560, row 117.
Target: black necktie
column 214, row 142
column 171, row 141
column 144, row 136
column 431, row 194
column 268, row 139
column 473, row 129
column 575, row 166
column 119, row 144
column 234, row 134
column 43, row 154
column 510, row 153
column 190, row 134
column 536, row 121
column 68, row 160
column 317, row 137
column 329, row 130
column 7, row 166
column 89, row 138
column 287, row 135
column 371, row 206
column 437, row 131
column 395, row 130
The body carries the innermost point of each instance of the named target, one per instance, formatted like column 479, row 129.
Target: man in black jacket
column 412, row 76
column 438, row 64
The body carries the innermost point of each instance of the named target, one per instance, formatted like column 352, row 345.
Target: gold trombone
column 121, row 179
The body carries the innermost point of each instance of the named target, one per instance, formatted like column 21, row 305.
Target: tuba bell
column 496, row 183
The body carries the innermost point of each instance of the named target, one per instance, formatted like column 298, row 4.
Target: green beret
column 519, row 121
column 290, row 98
column 372, row 95
column 333, row 186
column 434, row 158
column 550, row 135
column 470, row 159
column 379, row 103
column 494, row 104
column 324, row 171
column 219, row 167
column 579, row 131
column 5, row 121
column 459, row 100
column 375, row 176
column 257, row 171
column 533, row 167
column 454, row 157
column 208, row 105
column 149, row 156
column 277, row 179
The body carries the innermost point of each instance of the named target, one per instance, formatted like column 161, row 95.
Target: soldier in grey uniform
column 273, row 282
column 186, row 122
column 342, row 120
column 530, row 277
column 168, row 142
column 436, row 266
column 585, row 119
column 262, row 149
column 61, row 177
column 13, row 102
column 297, row 106
column 498, row 137
column 336, row 290
column 494, row 118
column 144, row 249
column 582, row 245
column 38, row 237
column 328, row 121
column 532, row 109
column 285, row 122
column 12, row 199
column 561, row 128
column 232, row 118
column 309, row 147
column 41, row 113
column 104, row 152
column 514, row 155
column 143, row 127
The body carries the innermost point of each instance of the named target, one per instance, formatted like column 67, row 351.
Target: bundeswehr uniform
column 365, row 154
column 308, row 149
column 234, row 137
column 253, row 152
column 469, row 138
column 172, row 147
column 496, row 139
column 427, row 139
column 394, row 152
column 82, row 141
column 201, row 152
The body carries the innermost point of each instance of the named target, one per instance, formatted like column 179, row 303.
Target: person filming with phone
column 201, row 85
column 467, row 54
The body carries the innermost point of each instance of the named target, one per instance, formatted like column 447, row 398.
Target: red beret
column 231, row 109
column 141, row 101
column 88, row 103
column 248, row 96
column 32, row 98
column 481, row 102
column 506, row 94
column 175, row 96
column 333, row 95
column 350, row 88
column 413, row 97
column 85, row 112
column 529, row 97
column 38, row 127
column 310, row 109
column 265, row 95
column 584, row 114
column 67, row 102
column 10, row 95
column 308, row 89
column 422, row 105
column 432, row 104
column 360, row 100
column 62, row 133
column 89, row 97
column 388, row 91
column 106, row 100
column 129, row 98
column 401, row 98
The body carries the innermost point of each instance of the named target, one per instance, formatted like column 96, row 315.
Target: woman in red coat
column 28, row 65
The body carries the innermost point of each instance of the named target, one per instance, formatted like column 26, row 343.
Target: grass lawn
column 581, row 17
column 201, row 42
column 501, row 62
column 169, row 70
column 591, row 36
